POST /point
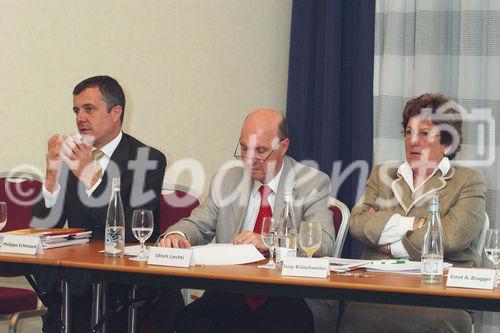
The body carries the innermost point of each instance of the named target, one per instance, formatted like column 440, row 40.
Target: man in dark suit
column 77, row 189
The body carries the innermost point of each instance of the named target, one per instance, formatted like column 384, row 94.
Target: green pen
column 395, row 261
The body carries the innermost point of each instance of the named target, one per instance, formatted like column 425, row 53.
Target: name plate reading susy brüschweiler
column 306, row 267
column 471, row 278
column 21, row 244
column 165, row 256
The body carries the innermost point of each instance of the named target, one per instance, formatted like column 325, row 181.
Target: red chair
column 177, row 202
column 20, row 191
column 341, row 223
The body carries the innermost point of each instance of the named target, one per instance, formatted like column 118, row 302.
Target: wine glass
column 492, row 250
column 142, row 228
column 310, row 237
column 269, row 236
column 3, row 214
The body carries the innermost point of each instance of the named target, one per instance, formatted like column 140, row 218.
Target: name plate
column 471, row 278
column 164, row 256
column 306, row 267
column 21, row 244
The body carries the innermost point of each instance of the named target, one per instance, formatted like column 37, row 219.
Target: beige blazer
column 461, row 206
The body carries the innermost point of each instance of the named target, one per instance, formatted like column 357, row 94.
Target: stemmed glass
column 269, row 236
column 492, row 250
column 142, row 228
column 3, row 214
column 310, row 237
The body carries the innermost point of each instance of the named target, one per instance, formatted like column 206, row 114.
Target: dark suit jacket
column 83, row 212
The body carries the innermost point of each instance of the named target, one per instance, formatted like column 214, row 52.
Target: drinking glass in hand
column 268, row 234
column 3, row 214
column 492, row 250
column 310, row 237
column 142, row 228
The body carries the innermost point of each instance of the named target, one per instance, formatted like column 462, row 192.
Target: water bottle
column 287, row 231
column 114, row 241
column 432, row 249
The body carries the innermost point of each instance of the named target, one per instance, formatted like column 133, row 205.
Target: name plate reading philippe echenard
column 165, row 256
column 21, row 244
column 306, row 267
column 476, row 278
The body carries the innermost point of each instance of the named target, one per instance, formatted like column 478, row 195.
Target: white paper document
column 407, row 267
column 344, row 265
column 133, row 250
column 225, row 254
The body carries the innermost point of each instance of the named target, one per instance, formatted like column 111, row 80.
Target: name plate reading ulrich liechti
column 21, row 244
column 471, row 278
column 306, row 267
column 164, row 256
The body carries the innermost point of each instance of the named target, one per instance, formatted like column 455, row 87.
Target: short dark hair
column 443, row 112
column 111, row 91
column 283, row 128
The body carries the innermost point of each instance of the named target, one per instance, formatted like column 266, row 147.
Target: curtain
column 450, row 47
column 330, row 92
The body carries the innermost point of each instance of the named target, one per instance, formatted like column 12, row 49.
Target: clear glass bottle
column 287, row 231
column 114, row 240
column 432, row 248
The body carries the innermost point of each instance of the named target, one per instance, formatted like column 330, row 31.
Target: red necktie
column 254, row 301
column 265, row 208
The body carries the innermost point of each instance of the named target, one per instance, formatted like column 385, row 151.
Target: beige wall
column 191, row 70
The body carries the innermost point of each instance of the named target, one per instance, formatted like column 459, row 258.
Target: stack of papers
column 403, row 266
column 57, row 237
column 341, row 265
column 398, row 266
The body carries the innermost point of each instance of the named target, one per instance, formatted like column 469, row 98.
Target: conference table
column 387, row 288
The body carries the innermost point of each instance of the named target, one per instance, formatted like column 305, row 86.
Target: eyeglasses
column 241, row 153
column 422, row 135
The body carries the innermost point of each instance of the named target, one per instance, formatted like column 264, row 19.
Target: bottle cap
column 116, row 183
column 434, row 205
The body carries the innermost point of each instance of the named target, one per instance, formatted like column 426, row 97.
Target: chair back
column 478, row 246
column 20, row 191
column 176, row 202
column 341, row 224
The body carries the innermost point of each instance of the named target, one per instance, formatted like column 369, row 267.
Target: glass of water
column 492, row 250
column 269, row 237
column 142, row 228
column 3, row 214
column 310, row 235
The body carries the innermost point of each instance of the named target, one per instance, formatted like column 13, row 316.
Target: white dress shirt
column 254, row 201
column 253, row 204
column 398, row 225
column 50, row 198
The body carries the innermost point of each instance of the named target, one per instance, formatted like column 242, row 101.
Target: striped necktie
column 96, row 155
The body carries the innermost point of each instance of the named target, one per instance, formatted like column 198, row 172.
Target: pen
column 395, row 261
column 59, row 233
column 355, row 274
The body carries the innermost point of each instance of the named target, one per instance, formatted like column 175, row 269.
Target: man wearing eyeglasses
column 237, row 199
